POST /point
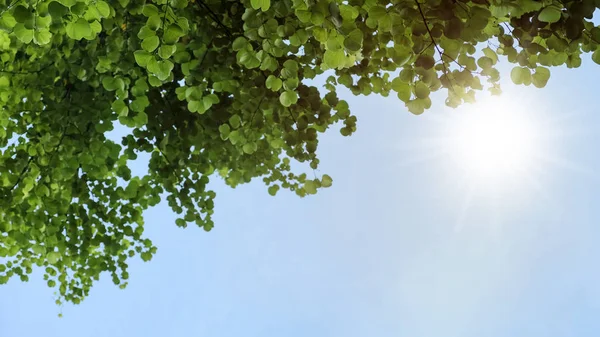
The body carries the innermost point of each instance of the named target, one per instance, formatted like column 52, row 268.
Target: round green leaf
column 288, row 98
column 150, row 43
column 520, row 75
column 326, row 181
column 550, row 14
column 273, row 83
column 596, row 56
column 103, row 8
column 353, row 41
column 540, row 77
column 421, row 90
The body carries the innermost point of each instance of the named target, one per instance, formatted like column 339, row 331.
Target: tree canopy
column 220, row 88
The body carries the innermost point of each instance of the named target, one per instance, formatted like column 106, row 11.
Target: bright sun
column 493, row 139
column 494, row 155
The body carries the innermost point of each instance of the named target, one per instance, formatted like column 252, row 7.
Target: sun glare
column 495, row 155
column 492, row 139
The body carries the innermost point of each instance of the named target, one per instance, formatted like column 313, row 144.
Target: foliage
column 220, row 87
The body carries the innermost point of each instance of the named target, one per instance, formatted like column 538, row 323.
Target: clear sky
column 399, row 246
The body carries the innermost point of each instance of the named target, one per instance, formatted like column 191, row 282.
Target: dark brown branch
column 511, row 32
column 256, row 110
column 214, row 17
column 425, row 49
column 435, row 45
column 23, row 171
column 206, row 52
column 463, row 7
column 292, row 115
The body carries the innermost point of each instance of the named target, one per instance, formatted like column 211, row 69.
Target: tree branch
column 511, row 33
column 26, row 72
column 23, row 171
column 214, row 17
column 256, row 110
column 435, row 45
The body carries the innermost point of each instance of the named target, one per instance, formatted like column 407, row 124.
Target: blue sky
column 392, row 249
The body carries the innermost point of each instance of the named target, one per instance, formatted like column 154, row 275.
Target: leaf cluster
column 220, row 88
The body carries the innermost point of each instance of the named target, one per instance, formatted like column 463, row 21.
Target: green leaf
column 263, row 5
column 348, row 13
column 550, row 14
column 402, row 88
column 53, row 257
column 202, row 105
column 172, row 34
column 42, row 37
column 595, row 34
column 239, row 43
column 425, row 61
column 150, row 43
column 377, row 12
column 354, row 40
column 596, row 56
column 149, row 10
column 310, row 187
column 334, row 59
column 57, row 10
column 485, row 62
column 520, row 75
column 421, row 90
column 22, row 14
column 224, row 131
column 418, row 106
column 120, row 108
column 179, row 4
column 38, row 249
column 112, row 84
column 142, row 57
column 146, row 32
column 540, row 77
column 326, row 181
column 23, row 34
column 78, row 29
column 42, row 22
column 249, row 148
column 154, row 22
column 103, row 8
column 166, row 51
column 7, row 21
column 273, row 83
column 235, row 121
column 68, row 3
column 490, row 54
column 288, row 98
column 4, row 82
column 273, row 190
column 161, row 69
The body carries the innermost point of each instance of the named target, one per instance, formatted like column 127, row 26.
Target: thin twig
column 23, row 171
column 291, row 114
column 437, row 48
column 257, row 107
column 464, row 8
column 511, row 32
column 9, row 7
column 26, row 72
column 214, row 16
column 206, row 52
column 425, row 49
